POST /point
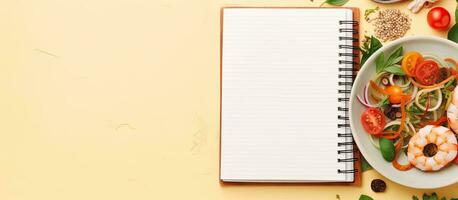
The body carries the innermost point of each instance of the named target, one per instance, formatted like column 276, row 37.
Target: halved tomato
column 373, row 121
column 410, row 60
column 427, row 72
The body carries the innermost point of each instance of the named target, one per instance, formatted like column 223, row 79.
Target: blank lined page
column 279, row 94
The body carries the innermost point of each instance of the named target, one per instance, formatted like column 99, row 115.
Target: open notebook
column 286, row 78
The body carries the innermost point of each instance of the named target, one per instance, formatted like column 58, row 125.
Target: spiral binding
column 346, row 76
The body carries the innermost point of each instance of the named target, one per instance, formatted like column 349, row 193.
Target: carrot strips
column 435, row 86
column 377, row 88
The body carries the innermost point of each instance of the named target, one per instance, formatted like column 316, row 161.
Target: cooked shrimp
column 452, row 111
column 432, row 148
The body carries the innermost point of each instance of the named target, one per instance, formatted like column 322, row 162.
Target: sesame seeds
column 391, row 24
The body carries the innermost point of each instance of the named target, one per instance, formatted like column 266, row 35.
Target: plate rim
column 353, row 97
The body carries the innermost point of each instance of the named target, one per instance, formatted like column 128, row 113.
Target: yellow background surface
column 119, row 99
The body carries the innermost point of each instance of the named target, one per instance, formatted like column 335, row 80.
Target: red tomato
column 395, row 94
column 427, row 72
column 456, row 160
column 439, row 18
column 373, row 121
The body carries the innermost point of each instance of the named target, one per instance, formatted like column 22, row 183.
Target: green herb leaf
column 415, row 198
column 456, row 13
column 395, row 54
column 380, row 63
column 375, row 44
column 395, row 69
column 365, row 165
column 394, row 60
column 384, row 102
column 434, row 196
column 453, row 33
column 443, row 198
column 370, row 46
column 335, row 2
column 365, row 197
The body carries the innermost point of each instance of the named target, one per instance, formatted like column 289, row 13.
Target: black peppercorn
column 378, row 185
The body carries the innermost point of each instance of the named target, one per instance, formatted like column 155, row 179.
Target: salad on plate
column 412, row 109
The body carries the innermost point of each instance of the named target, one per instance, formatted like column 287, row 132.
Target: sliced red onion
column 365, row 103
column 366, row 93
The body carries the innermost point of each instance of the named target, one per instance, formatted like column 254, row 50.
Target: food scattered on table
column 438, row 18
column 370, row 11
column 378, row 185
column 416, row 5
column 412, row 109
column 391, row 24
column 433, row 196
column 365, row 197
column 334, row 2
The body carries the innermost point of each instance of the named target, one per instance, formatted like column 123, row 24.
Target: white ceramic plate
column 413, row 178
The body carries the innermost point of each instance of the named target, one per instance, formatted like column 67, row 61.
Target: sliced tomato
column 410, row 60
column 427, row 72
column 373, row 121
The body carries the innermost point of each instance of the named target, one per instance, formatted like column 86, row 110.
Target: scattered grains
column 391, row 24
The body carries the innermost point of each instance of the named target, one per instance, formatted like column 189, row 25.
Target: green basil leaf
column 380, row 63
column 395, row 69
column 370, row 46
column 375, row 45
column 395, row 55
column 365, row 197
column 394, row 60
column 335, row 2
column 456, row 13
column 434, row 196
column 453, row 33
column 365, row 165
column 397, row 52
column 443, row 198
column 415, row 198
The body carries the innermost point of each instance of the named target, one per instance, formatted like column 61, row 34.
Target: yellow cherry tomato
column 410, row 60
column 395, row 94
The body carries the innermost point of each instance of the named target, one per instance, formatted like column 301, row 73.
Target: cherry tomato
column 373, row 121
column 409, row 62
column 439, row 18
column 394, row 94
column 427, row 72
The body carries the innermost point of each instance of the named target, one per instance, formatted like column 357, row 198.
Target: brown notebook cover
column 356, row 154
